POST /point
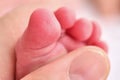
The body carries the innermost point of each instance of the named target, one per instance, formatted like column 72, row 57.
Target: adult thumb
column 87, row 63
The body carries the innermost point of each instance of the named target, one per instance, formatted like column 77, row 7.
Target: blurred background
column 105, row 12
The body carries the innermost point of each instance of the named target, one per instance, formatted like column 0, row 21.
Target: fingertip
column 92, row 64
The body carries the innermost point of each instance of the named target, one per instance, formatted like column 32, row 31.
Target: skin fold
column 35, row 50
column 12, row 26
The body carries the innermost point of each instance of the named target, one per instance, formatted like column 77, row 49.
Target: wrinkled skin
column 12, row 26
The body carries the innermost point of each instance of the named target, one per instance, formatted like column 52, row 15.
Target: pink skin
column 81, row 30
column 43, row 30
column 66, row 17
column 95, row 38
column 96, row 34
column 70, row 43
column 102, row 45
column 40, row 37
column 43, row 40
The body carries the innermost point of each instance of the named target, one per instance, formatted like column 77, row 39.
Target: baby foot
column 50, row 35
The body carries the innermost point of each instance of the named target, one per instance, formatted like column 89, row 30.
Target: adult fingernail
column 91, row 64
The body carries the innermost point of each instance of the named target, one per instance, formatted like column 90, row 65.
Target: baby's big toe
column 38, row 43
column 43, row 29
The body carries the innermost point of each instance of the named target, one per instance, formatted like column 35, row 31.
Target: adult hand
column 87, row 63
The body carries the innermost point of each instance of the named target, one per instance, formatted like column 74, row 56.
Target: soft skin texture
column 42, row 43
column 43, row 30
column 81, row 30
column 102, row 45
column 38, row 40
column 96, row 34
column 70, row 69
column 12, row 25
column 66, row 17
